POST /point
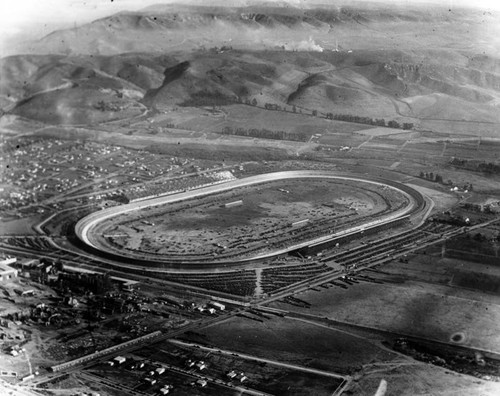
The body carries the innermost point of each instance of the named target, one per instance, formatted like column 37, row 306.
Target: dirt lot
column 418, row 379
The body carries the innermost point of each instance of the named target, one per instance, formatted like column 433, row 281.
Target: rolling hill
column 409, row 64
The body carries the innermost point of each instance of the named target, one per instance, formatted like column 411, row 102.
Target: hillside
column 411, row 64
column 367, row 83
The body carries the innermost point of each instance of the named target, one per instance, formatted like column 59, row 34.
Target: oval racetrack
column 85, row 227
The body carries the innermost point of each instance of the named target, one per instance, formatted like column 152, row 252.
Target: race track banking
column 84, row 228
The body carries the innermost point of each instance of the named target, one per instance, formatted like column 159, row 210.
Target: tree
column 479, row 237
column 254, row 102
column 227, row 130
column 393, row 124
column 101, row 105
column 315, row 113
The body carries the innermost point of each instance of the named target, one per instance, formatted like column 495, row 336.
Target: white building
column 7, row 273
column 120, row 359
column 218, row 305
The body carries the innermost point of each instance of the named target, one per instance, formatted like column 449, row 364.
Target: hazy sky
column 36, row 18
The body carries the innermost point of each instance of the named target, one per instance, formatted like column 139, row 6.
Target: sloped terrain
column 197, row 56
column 364, row 83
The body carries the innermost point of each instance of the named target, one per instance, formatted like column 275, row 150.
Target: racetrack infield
column 248, row 220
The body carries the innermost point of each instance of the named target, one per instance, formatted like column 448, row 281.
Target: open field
column 296, row 342
column 325, row 347
column 410, row 309
column 432, row 295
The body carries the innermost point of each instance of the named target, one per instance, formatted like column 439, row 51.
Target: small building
column 218, row 305
column 202, row 382
column 137, row 365
column 7, row 273
column 233, row 204
column 160, row 370
column 150, row 381
column 28, row 377
column 201, row 365
column 300, row 223
column 120, row 359
column 8, row 260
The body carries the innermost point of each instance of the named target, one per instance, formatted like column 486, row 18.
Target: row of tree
column 474, row 207
column 433, row 177
column 369, row 121
column 215, row 98
column 264, row 134
column 106, row 106
column 478, row 166
column 341, row 117
column 439, row 179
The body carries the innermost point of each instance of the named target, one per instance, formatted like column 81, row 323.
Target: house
column 6, row 272
column 160, row 370
column 201, row 365
column 120, row 359
column 150, row 381
column 218, row 305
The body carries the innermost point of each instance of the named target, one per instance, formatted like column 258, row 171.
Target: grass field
column 430, row 297
column 297, row 342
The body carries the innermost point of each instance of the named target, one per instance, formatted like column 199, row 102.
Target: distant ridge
column 168, row 27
